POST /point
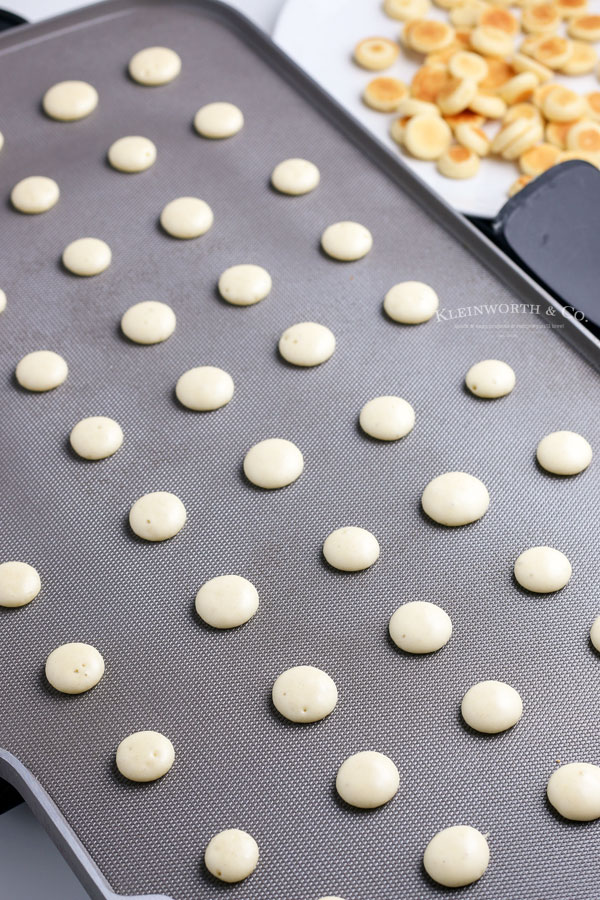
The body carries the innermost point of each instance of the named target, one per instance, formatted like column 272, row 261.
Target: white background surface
column 31, row 868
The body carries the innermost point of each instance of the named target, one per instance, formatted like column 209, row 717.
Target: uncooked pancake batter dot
column 157, row 516
column 74, row 668
column 154, row 66
column 69, row 101
column 351, row 549
column 455, row 498
column 35, row 194
column 41, row 370
column 87, row 256
column 227, row 601
column 96, row 437
column 218, row 120
column 273, row 463
column 367, row 779
column 132, row 154
column 346, row 241
column 231, row 855
column 19, row 583
column 148, row 322
column 304, row 694
column 145, row 756
column 295, row 177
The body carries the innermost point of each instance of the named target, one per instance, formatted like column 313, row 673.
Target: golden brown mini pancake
column 428, row 35
column 584, row 137
column 466, row 64
column 428, row 81
column 519, row 88
column 563, row 105
column 542, row 18
column 518, row 185
column 538, row 159
column 583, row 59
column 500, row 18
column 458, row 162
column 499, row 71
column 384, row 94
column 376, row 53
column 473, row 137
column 492, row 41
column 456, row 95
column 556, row 133
column 585, row 28
column 427, row 137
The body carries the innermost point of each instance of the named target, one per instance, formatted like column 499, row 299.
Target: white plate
column 321, row 34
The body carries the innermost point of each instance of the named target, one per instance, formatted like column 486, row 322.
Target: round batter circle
column 132, row 154
column 157, row 516
column 564, row 453
column 69, row 101
column 491, row 707
column 295, row 177
column 490, row 378
column 96, row 437
column 154, row 66
column 574, row 791
column 273, row 463
column 420, row 627
column 411, row 302
column 2, row 301
column 35, row 194
column 204, row 388
column 227, row 601
column 187, row 218
column 456, row 856
column 218, row 120
column 346, row 241
column 307, row 344
column 455, row 498
column 74, row 668
column 595, row 633
column 304, row 694
column 41, row 370
column 542, row 570
column 387, row 418
column 145, row 756
column 231, row 855
column 87, row 256
column 351, row 549
column 367, row 779
column 245, row 284
column 19, row 583
column 148, row 322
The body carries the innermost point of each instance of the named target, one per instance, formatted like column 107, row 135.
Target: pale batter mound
column 367, row 779
column 542, row 570
column 204, row 388
column 595, row 633
column 19, row 583
column 2, row 301
column 132, row 154
column 74, row 668
column 574, row 791
column 218, row 120
column 231, row 855
column 148, row 322
column 455, row 498
column 564, row 453
column 186, row 218
column 307, row 344
column 154, row 66
column 387, row 418
column 69, row 101
column 157, row 516
column 351, row 549
column 411, row 302
column 346, row 241
column 273, row 463
column 304, row 694
column 456, row 856
column 491, row 707
column 145, row 756
column 42, row 370
column 87, row 256
column 35, row 194
column 227, row 601
column 490, row 378
column 295, row 177
column 420, row 627
column 245, row 284
column 96, row 437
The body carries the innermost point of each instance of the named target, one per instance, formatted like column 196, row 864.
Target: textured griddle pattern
column 238, row 763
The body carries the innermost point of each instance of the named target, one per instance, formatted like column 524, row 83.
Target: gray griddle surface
column 238, row 763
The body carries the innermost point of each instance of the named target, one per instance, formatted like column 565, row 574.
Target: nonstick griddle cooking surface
column 238, row 763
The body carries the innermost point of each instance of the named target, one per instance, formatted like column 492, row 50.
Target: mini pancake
column 539, row 159
column 456, row 95
column 519, row 88
column 465, row 64
column 429, row 35
column 584, row 28
column 556, row 133
column 593, row 104
column 384, row 94
column 522, row 63
column 458, row 162
column 518, row 185
column 522, row 111
column 541, row 93
column 592, row 158
column 500, row 18
column 466, row 117
column 553, row 51
column 428, row 81
column 411, row 107
column 376, row 53
column 583, row 59
column 508, row 134
column 499, row 72
column 442, row 57
column 427, row 137
column 466, row 14
column 488, row 106
column 491, row 41
column 532, row 134
column 397, row 128
column 584, row 137
column 473, row 137
column 541, row 18
column 406, row 10
column 569, row 8
column 563, row 105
